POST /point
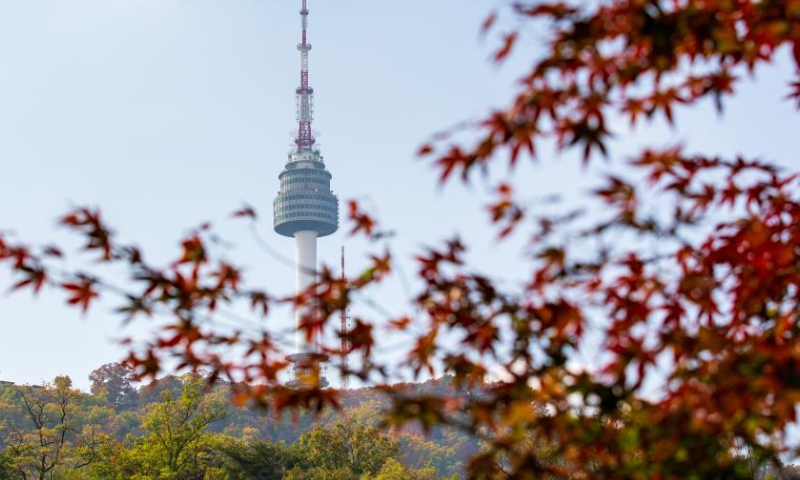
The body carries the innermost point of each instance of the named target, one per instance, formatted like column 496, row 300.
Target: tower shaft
column 307, row 358
column 305, row 260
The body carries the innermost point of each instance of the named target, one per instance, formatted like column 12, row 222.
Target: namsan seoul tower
column 305, row 209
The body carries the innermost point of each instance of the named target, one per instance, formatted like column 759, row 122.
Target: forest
column 179, row 428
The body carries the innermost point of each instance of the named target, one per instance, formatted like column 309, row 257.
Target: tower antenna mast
column 305, row 94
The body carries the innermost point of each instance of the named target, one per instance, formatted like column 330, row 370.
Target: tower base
column 307, row 370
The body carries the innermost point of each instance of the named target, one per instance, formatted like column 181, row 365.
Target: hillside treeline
column 179, row 429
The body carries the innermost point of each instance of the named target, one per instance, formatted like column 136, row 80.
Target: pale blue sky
column 167, row 113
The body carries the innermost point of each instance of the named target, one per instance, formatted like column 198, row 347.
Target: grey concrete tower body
column 305, row 209
column 305, row 201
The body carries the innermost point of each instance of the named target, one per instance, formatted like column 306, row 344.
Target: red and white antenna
column 345, row 380
column 305, row 94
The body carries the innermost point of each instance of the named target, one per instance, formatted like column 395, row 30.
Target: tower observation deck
column 305, row 201
column 305, row 209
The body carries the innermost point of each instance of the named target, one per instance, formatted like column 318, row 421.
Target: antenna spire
column 305, row 94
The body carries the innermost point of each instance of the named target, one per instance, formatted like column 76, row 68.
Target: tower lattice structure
column 344, row 332
column 305, row 209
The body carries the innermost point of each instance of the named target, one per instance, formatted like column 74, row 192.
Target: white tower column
column 305, row 260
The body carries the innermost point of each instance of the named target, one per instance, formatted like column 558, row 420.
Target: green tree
column 154, row 391
column 392, row 469
column 256, row 459
column 175, row 439
column 445, row 457
column 7, row 471
column 361, row 449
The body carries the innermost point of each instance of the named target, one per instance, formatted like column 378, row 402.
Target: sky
column 169, row 113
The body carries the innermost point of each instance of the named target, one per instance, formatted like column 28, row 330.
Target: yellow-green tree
column 394, row 470
column 43, row 434
column 342, row 452
column 175, row 444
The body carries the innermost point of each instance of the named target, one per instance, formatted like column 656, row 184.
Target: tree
column 155, row 390
column 346, row 450
column 444, row 456
column 686, row 263
column 7, row 468
column 394, row 470
column 42, row 434
column 113, row 382
column 175, row 433
column 257, row 460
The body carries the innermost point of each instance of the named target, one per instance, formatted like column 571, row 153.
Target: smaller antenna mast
column 345, row 380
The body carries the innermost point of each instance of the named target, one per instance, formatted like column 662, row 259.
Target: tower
column 305, row 209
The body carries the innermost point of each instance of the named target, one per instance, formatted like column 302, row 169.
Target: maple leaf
column 82, row 292
column 193, row 251
column 664, row 100
column 381, row 266
column 35, row 277
column 556, row 10
column 134, row 307
column 400, row 323
column 634, row 108
column 508, row 45
column 246, row 212
column 361, row 338
column 89, row 223
column 424, row 150
column 591, row 135
column 505, row 210
column 453, row 159
column 617, row 191
column 227, row 276
column 259, row 301
column 488, row 23
column 363, row 221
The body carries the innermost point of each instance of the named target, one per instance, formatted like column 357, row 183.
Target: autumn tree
column 687, row 264
column 113, row 382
